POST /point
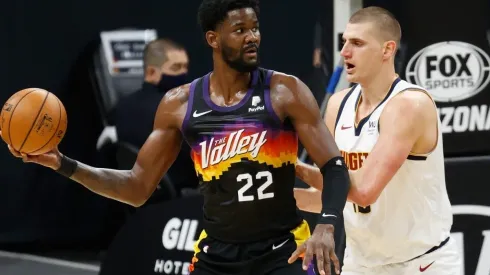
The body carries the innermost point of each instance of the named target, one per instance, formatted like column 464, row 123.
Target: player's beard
column 238, row 63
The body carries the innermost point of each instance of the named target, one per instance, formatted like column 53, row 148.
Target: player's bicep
column 304, row 113
column 157, row 155
column 401, row 125
column 160, row 149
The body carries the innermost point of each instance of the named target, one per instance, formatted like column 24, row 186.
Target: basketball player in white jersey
column 398, row 215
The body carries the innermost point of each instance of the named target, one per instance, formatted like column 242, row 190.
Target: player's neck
column 228, row 82
column 375, row 90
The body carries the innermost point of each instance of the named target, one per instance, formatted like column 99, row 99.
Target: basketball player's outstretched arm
column 133, row 186
column 298, row 104
column 402, row 124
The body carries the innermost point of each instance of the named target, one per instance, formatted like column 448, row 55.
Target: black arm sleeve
column 336, row 184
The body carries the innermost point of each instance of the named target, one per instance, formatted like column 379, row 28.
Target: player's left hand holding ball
column 50, row 159
column 322, row 244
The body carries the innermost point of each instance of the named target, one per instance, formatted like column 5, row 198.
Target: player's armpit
column 402, row 123
column 158, row 153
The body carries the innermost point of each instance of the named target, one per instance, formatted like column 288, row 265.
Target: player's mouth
column 349, row 67
column 251, row 52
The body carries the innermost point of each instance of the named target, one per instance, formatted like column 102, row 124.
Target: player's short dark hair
column 383, row 20
column 155, row 52
column 213, row 12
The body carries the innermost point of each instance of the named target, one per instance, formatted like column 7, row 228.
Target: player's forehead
column 363, row 31
column 240, row 16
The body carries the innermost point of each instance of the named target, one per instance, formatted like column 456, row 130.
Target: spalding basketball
column 33, row 121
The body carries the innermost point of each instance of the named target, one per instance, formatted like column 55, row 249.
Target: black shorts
column 270, row 257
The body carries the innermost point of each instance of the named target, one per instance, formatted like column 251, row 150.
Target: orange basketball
column 33, row 121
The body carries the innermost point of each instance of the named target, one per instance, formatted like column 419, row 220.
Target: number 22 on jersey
column 249, row 182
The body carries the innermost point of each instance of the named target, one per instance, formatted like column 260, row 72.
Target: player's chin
column 250, row 65
column 251, row 61
column 350, row 77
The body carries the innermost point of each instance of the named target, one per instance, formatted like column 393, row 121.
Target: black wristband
column 67, row 166
column 336, row 184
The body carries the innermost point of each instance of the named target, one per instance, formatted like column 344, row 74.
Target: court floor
column 27, row 264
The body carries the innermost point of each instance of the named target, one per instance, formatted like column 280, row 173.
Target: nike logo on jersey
column 328, row 215
column 274, row 247
column 343, row 127
column 422, row 269
column 216, row 151
column 196, row 114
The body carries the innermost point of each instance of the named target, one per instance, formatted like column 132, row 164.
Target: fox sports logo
column 450, row 71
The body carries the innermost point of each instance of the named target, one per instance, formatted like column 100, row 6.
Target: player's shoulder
column 337, row 97
column 176, row 97
column 287, row 86
column 413, row 101
column 284, row 79
column 173, row 105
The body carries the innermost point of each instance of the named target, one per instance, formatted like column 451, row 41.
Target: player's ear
column 389, row 49
column 212, row 39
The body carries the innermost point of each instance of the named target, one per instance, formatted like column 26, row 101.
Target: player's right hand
column 322, row 244
column 51, row 159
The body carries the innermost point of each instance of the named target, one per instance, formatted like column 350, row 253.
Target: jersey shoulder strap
column 342, row 104
column 194, row 89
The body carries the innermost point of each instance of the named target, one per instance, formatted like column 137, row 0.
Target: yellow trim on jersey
column 419, row 155
column 356, row 122
column 202, row 236
column 301, row 234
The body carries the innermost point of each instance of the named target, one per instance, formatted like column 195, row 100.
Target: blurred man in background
column 166, row 65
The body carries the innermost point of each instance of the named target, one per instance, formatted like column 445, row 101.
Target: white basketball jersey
column 413, row 212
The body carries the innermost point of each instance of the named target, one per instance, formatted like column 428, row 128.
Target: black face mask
column 169, row 82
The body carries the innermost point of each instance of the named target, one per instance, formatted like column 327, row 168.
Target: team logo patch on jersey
column 256, row 100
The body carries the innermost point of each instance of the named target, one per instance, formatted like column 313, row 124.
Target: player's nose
column 251, row 37
column 345, row 52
